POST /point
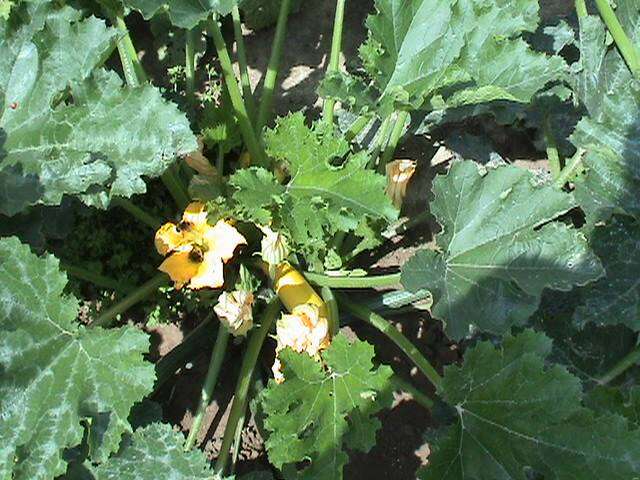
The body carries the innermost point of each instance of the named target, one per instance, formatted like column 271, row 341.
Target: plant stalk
column 244, row 382
column 249, row 101
column 190, row 67
column 382, row 136
column 133, row 72
column 333, row 313
column 552, row 151
column 138, row 213
column 631, row 359
column 570, row 169
column 353, row 282
column 392, row 144
column 217, row 356
column 404, row 385
column 271, row 76
column 626, row 47
column 396, row 337
column 97, row 279
column 356, row 127
column 334, row 58
column 246, row 128
column 174, row 185
column 581, row 8
column 108, row 318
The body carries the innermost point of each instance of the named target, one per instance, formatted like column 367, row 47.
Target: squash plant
column 535, row 275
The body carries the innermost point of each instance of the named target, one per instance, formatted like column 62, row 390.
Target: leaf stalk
column 247, row 93
column 353, row 282
column 628, row 361
column 334, row 58
column 626, row 47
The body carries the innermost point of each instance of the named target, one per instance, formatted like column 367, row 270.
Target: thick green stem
column 392, row 144
column 195, row 341
column 271, row 76
column 96, row 278
column 133, row 72
column 174, row 185
column 244, row 382
column 627, row 49
column 406, row 386
column 382, row 136
column 246, row 128
column 190, row 66
column 552, row 151
column 332, row 309
column 570, row 170
column 581, row 8
column 353, row 282
column 631, row 359
column 136, row 212
column 356, row 127
column 107, row 318
column 249, row 101
column 396, row 337
column 334, row 58
column 217, row 356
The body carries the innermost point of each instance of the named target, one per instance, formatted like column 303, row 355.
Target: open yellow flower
column 399, row 172
column 197, row 251
column 304, row 330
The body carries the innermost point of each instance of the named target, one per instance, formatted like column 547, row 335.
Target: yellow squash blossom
column 306, row 328
column 235, row 311
column 196, row 249
column 274, row 247
column 399, row 172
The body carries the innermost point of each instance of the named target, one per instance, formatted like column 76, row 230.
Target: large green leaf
column 320, row 198
column 473, row 48
column 498, row 250
column 58, row 377
column 317, row 411
column 182, row 13
column 70, row 127
column 154, row 452
column 610, row 133
column 615, row 298
column 519, row 420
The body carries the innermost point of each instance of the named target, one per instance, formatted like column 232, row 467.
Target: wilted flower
column 197, row 250
column 304, row 330
column 274, row 246
column 399, row 172
column 199, row 162
column 235, row 311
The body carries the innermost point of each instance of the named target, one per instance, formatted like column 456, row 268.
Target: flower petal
column 180, row 267
column 399, row 172
column 223, row 239
column 209, row 273
column 195, row 213
column 168, row 238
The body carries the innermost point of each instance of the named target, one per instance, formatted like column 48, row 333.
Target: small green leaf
column 518, row 419
column 498, row 249
column 57, row 376
column 317, row 411
column 615, row 298
column 154, row 453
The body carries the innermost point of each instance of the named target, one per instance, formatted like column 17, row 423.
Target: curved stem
column 396, row 337
column 217, row 355
column 396, row 134
column 246, row 128
column 581, row 8
column 570, row 169
column 136, row 212
column 552, row 151
column 631, row 359
column 272, row 68
column 353, row 282
column 333, row 313
column 334, row 59
column 133, row 72
column 356, row 127
column 247, row 94
column 95, row 278
column 107, row 318
column 190, row 67
column 244, row 382
column 405, row 385
column 627, row 49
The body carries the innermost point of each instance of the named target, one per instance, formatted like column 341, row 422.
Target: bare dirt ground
column 401, row 447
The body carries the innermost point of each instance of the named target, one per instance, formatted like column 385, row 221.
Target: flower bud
column 274, row 246
column 235, row 311
column 399, row 172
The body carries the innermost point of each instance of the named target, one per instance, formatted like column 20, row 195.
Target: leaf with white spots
column 498, row 250
column 518, row 419
column 59, row 378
